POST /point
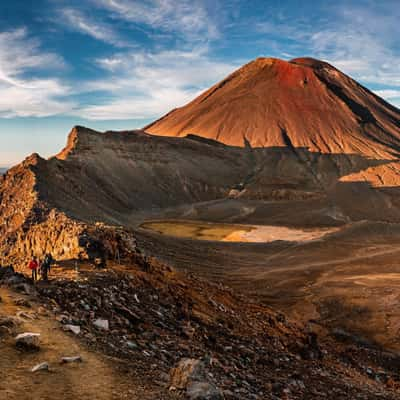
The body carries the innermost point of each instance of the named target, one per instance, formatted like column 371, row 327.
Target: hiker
column 33, row 266
column 46, row 266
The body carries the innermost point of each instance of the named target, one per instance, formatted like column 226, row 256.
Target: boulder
column 131, row 345
column 10, row 322
column 102, row 324
column 73, row 328
column 203, row 391
column 23, row 315
column 25, row 288
column 188, row 370
column 6, row 272
column 22, row 303
column 13, row 279
column 7, row 325
column 28, row 340
column 190, row 377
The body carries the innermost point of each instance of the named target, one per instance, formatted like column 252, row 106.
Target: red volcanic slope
column 300, row 103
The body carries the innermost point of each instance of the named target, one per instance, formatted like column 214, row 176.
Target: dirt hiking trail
column 94, row 378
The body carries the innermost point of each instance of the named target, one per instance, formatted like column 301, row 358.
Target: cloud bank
column 23, row 94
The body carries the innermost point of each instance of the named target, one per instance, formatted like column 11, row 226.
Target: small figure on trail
column 33, row 266
column 46, row 266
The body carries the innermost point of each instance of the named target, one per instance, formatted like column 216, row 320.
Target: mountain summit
column 299, row 103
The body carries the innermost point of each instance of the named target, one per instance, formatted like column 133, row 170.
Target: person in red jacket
column 33, row 266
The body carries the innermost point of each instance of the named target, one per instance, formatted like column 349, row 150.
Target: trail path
column 95, row 378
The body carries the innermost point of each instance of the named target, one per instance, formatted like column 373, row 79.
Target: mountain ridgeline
column 294, row 134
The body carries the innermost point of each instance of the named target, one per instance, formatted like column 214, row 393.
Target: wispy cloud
column 76, row 20
column 360, row 38
column 362, row 41
column 28, row 96
column 360, row 53
column 146, row 85
column 189, row 18
column 18, row 52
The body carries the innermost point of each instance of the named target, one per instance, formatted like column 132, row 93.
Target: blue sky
column 118, row 64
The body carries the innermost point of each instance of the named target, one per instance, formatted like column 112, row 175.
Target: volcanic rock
column 186, row 371
column 76, row 329
column 28, row 340
column 243, row 349
column 101, row 324
column 7, row 325
column 203, row 391
column 190, row 375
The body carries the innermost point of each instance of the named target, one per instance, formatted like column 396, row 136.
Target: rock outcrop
column 31, row 224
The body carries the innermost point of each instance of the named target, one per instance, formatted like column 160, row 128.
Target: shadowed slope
column 113, row 176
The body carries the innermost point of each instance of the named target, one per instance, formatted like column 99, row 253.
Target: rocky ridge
column 115, row 179
column 297, row 131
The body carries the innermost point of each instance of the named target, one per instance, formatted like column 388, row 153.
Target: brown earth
column 97, row 377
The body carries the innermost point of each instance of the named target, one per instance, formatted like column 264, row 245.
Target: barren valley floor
column 345, row 283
